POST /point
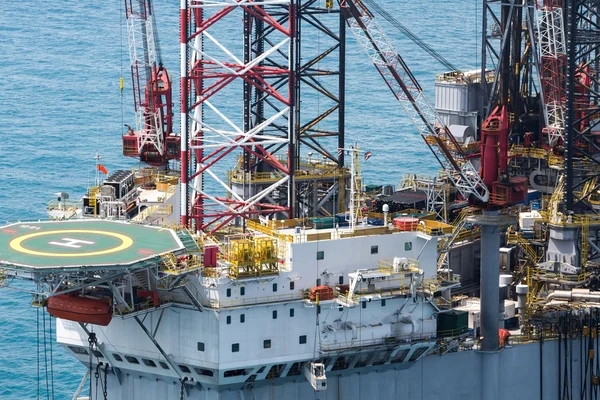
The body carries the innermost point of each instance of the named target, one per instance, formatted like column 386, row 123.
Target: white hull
column 451, row 376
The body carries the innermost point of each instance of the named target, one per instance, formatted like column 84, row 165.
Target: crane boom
column 410, row 95
column 151, row 141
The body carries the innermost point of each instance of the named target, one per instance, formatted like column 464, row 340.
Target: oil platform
column 248, row 259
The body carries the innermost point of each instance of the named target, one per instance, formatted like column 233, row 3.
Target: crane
column 410, row 95
column 152, row 140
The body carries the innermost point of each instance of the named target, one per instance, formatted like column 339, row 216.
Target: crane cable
column 409, row 34
column 38, row 351
column 121, row 80
column 418, row 41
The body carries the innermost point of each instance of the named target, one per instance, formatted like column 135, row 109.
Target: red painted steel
column 208, row 77
column 80, row 309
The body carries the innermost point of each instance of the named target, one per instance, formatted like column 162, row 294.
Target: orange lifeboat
column 80, row 309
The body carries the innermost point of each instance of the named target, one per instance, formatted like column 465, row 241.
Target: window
column 132, row 360
column 341, row 280
column 184, row 369
column 318, row 281
column 291, row 312
column 79, row 350
column 117, row 357
column 163, row 365
column 274, row 287
column 234, row 372
column 229, row 292
column 274, row 314
column 320, row 255
column 302, row 339
column 242, row 318
column 374, row 249
column 148, row 363
column 97, row 354
column 242, row 290
column 205, row 372
column 292, row 285
column 408, row 246
column 382, row 302
column 364, row 304
column 228, row 319
column 235, row 347
column 200, row 346
column 267, row 344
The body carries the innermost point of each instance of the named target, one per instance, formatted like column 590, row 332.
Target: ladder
column 585, row 231
column 94, row 198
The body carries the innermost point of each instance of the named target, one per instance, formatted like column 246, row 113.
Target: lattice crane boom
column 151, row 140
column 411, row 97
column 553, row 54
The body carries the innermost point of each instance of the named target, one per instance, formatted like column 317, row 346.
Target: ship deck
column 82, row 243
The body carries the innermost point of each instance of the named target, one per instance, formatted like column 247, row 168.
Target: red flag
column 102, row 169
column 367, row 155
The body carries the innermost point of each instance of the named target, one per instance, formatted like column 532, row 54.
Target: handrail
column 415, row 337
column 254, row 300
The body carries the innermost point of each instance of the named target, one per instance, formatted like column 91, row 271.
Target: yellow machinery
column 253, row 257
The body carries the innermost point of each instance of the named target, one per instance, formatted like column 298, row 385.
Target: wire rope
column 51, row 356
column 38, row 351
column 45, row 356
column 409, row 34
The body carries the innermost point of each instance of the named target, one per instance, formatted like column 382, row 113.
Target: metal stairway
column 142, row 279
column 459, row 227
column 190, row 244
column 192, row 294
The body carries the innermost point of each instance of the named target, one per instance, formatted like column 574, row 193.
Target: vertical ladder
column 94, row 198
column 585, row 231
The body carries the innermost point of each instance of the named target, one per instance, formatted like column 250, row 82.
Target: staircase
column 170, row 262
column 459, row 227
column 142, row 279
column 517, row 238
column 190, row 244
column 192, row 294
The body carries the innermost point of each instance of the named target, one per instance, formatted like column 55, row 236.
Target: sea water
column 60, row 64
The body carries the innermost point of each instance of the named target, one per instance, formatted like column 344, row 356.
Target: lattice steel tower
column 255, row 95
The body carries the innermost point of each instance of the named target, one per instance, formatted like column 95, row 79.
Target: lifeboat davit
column 80, row 309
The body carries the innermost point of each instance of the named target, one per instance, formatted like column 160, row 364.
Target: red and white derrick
column 214, row 70
column 553, row 64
